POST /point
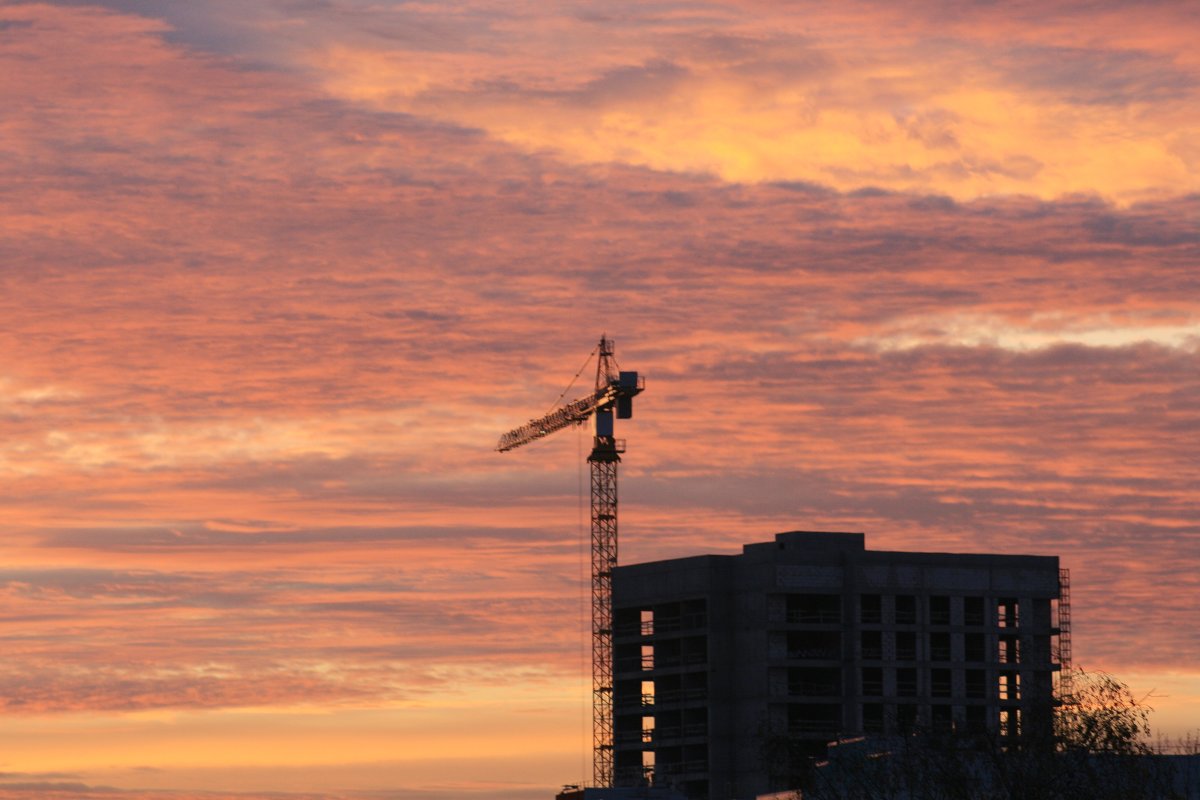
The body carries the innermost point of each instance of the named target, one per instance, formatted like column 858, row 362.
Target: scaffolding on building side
column 1065, row 685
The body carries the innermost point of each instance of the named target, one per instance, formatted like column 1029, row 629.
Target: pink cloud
column 259, row 342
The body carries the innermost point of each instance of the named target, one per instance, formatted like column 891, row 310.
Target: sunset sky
column 274, row 277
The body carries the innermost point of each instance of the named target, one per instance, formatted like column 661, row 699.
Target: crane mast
column 613, row 396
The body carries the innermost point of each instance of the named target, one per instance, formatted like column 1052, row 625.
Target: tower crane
column 613, row 395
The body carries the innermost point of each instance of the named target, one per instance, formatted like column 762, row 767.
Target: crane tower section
column 612, row 398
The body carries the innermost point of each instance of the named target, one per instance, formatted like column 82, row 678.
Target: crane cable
column 584, row 626
column 556, row 403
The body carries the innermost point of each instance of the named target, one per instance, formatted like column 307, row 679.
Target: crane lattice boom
column 614, row 389
column 573, row 413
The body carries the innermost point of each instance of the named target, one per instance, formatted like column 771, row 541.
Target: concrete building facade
column 729, row 671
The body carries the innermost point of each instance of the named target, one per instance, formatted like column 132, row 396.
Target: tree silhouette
column 1096, row 747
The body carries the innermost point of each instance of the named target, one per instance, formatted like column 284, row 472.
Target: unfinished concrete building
column 728, row 670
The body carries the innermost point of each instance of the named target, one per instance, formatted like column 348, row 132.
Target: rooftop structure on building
column 730, row 671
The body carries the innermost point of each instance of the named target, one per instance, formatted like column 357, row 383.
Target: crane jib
column 619, row 394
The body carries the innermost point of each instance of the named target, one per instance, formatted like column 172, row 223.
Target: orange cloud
column 844, row 98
